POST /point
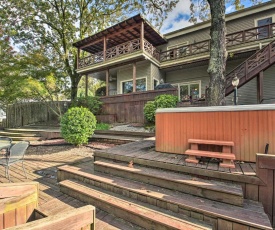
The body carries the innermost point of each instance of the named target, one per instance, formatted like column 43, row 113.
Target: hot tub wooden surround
column 250, row 127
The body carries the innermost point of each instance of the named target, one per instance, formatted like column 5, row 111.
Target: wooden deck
column 41, row 164
column 146, row 150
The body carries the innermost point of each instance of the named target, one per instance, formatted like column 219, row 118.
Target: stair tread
column 180, row 178
column 134, row 207
column 251, row 212
column 103, row 220
column 202, row 153
column 211, row 142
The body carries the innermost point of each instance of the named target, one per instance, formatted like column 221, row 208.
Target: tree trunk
column 74, row 87
column 218, row 54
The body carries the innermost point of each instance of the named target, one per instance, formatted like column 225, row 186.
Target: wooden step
column 211, row 142
column 98, row 179
column 219, row 155
column 143, row 153
column 146, row 217
column 210, row 189
column 250, row 215
column 66, row 203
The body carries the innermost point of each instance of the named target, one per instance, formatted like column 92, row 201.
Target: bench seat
column 226, row 155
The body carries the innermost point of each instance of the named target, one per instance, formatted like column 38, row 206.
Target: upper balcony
column 117, row 45
column 241, row 41
column 125, row 43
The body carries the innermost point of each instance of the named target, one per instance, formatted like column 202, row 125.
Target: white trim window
column 263, row 32
column 189, row 90
column 127, row 86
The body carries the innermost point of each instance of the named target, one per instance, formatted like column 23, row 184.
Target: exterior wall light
column 235, row 83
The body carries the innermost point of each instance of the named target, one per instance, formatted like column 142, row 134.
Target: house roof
column 120, row 33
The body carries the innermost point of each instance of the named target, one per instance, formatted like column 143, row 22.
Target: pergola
column 133, row 28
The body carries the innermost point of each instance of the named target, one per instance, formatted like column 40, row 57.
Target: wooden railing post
column 134, row 76
column 142, row 35
column 107, row 82
column 104, row 48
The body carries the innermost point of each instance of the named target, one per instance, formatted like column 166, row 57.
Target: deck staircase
column 251, row 67
column 143, row 193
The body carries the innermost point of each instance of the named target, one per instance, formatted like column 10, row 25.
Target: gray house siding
column 232, row 26
column 126, row 73
column 155, row 74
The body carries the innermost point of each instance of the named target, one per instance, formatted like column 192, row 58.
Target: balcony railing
column 238, row 38
column 241, row 37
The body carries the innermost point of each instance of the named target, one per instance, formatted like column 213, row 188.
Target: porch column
column 260, row 78
column 134, row 76
column 86, row 85
column 142, row 35
column 104, row 48
column 107, row 82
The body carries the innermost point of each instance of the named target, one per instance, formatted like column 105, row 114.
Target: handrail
column 251, row 66
column 236, row 38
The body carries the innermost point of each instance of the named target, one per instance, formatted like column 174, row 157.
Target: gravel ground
column 129, row 128
column 60, row 146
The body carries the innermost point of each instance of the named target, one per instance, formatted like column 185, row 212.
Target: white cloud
column 171, row 24
column 230, row 9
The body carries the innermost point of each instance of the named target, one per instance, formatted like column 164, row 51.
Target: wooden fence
column 128, row 108
column 18, row 115
column 250, row 127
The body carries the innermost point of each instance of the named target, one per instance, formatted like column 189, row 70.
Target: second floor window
column 263, row 32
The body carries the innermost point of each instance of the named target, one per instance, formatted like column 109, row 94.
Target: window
column 189, row 90
column 127, row 86
column 156, row 82
column 263, row 31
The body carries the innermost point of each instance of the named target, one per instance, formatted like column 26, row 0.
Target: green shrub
column 161, row 101
column 149, row 111
column 90, row 102
column 102, row 126
column 166, row 101
column 77, row 125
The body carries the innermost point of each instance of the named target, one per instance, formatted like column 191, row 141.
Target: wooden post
column 107, row 82
column 134, row 76
column 142, row 35
column 86, row 86
column 104, row 48
column 260, row 87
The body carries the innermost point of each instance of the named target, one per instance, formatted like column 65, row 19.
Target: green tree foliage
column 90, row 102
column 161, row 101
column 52, row 26
column 77, row 125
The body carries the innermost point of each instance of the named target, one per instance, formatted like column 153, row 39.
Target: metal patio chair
column 15, row 155
column 5, row 140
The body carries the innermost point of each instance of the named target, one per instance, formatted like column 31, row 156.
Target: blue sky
column 179, row 17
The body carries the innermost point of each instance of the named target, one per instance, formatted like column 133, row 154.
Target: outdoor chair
column 15, row 155
column 5, row 140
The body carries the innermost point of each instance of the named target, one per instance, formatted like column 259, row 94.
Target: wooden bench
column 226, row 155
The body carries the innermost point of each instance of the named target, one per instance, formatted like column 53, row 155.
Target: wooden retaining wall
column 128, row 108
column 250, row 127
column 18, row 115
column 17, row 203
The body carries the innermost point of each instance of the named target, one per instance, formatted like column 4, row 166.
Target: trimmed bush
column 161, row 101
column 77, row 125
column 149, row 111
column 166, row 101
column 91, row 103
